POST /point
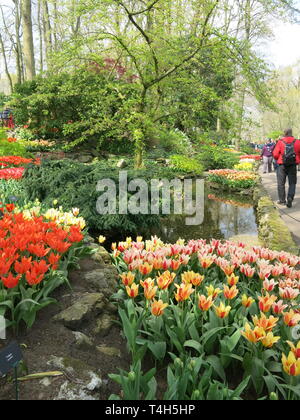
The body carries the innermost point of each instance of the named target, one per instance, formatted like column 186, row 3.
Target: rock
column 122, row 164
column 82, row 310
column 103, row 325
column 101, row 280
column 111, row 308
column 85, row 158
column 82, row 341
column 109, row 351
column 83, row 380
column 88, row 264
column 45, row 382
column 104, row 254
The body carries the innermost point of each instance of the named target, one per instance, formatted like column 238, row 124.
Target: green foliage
column 215, row 157
column 12, row 149
column 74, row 185
column 11, row 188
column 78, row 107
column 186, row 165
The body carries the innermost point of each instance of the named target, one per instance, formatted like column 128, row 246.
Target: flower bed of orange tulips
column 213, row 310
column 34, row 257
column 233, row 178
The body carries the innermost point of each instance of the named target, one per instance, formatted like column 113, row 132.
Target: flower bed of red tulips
column 231, row 311
column 255, row 157
column 11, row 166
column 30, row 253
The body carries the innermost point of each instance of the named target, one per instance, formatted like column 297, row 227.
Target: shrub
column 78, row 107
column 186, row 165
column 214, row 157
column 74, row 185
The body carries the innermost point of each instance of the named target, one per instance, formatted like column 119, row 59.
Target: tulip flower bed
column 233, row 178
column 35, row 253
column 254, row 157
column 222, row 317
column 11, row 166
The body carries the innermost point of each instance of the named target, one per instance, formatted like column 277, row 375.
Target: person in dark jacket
column 267, row 155
column 287, row 154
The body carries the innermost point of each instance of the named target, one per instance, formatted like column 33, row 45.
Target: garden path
column 290, row 216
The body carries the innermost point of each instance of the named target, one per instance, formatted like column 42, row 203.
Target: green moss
column 273, row 232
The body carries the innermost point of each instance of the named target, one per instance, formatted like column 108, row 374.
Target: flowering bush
column 233, row 178
column 227, row 311
column 31, row 250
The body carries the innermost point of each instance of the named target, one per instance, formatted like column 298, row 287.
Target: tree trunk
column 5, row 64
column 28, row 47
column 18, row 46
column 40, row 23
column 47, row 32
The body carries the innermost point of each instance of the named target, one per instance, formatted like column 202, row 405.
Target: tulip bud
column 131, row 376
column 196, row 394
column 178, row 363
column 273, row 396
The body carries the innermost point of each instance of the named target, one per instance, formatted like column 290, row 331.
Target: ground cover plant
column 221, row 317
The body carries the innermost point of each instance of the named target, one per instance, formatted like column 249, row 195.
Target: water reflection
column 224, row 217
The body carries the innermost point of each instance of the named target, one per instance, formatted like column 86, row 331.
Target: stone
column 45, row 382
column 109, row 351
column 79, row 371
column 102, row 280
column 82, row 310
column 111, row 308
column 103, row 325
column 82, row 341
column 122, row 164
column 85, row 158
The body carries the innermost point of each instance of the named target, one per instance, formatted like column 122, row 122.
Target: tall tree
column 28, row 47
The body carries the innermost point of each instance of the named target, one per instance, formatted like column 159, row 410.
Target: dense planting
column 223, row 313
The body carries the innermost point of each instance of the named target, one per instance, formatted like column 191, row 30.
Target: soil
column 47, row 339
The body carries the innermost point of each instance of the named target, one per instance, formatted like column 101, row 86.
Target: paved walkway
column 290, row 216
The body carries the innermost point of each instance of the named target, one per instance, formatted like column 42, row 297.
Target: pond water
column 225, row 217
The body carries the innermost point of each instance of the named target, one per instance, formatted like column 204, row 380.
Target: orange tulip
column 222, row 311
column 145, row 269
column 266, row 302
column 157, row 307
column 127, row 278
column 232, row 280
column 205, row 303
column 266, row 323
column 295, row 349
column 133, row 290
column 211, row 291
column 193, row 278
column 247, row 301
column 291, row 365
column 230, row 293
column 165, row 280
column 183, row 292
column 255, row 335
column 290, row 318
column 269, row 340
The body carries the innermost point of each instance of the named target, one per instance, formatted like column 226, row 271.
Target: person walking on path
column 287, row 154
column 267, row 155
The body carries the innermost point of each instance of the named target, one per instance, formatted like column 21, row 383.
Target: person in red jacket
column 287, row 155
